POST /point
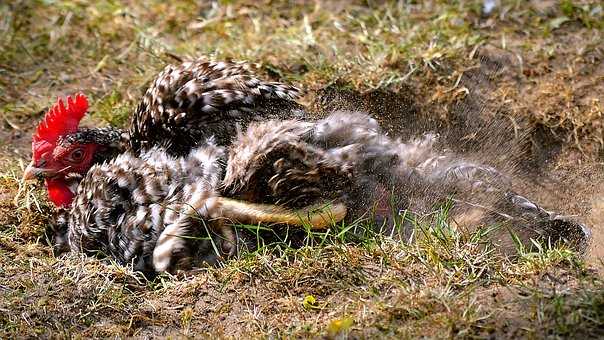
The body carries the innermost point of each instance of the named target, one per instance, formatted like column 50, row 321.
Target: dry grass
column 553, row 78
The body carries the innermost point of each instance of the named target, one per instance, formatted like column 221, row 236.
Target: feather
column 193, row 101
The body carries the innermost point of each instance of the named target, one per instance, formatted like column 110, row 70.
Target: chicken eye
column 77, row 155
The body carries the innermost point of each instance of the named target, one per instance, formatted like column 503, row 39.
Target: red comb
column 61, row 120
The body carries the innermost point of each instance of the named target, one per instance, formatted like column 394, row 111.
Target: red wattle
column 59, row 193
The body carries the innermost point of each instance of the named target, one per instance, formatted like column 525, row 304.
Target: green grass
column 447, row 284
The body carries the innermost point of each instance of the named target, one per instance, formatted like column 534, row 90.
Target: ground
column 520, row 87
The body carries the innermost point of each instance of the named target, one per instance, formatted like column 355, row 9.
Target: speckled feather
column 138, row 208
column 190, row 102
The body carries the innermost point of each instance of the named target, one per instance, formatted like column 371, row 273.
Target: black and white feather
column 190, row 102
column 141, row 209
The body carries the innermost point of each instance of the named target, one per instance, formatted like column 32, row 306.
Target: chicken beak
column 30, row 172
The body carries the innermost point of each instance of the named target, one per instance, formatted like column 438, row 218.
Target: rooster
column 346, row 158
column 148, row 208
